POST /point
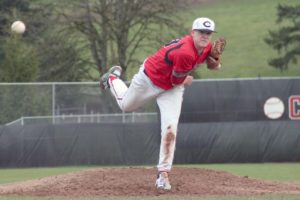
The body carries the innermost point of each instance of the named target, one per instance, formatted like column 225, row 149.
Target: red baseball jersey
column 170, row 65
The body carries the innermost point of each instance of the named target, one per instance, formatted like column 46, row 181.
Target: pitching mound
column 135, row 181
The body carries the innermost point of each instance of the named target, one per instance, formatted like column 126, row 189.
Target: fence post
column 53, row 103
column 22, row 121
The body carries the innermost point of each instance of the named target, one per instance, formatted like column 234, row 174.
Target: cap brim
column 206, row 30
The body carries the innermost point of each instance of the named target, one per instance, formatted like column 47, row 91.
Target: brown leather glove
column 217, row 48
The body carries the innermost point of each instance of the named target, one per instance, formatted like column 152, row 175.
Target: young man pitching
column 163, row 77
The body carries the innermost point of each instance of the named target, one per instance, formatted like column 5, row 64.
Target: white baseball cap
column 204, row 23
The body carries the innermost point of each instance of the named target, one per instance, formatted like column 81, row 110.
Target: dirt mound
column 137, row 181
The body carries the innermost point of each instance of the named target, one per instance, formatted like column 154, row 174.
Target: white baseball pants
column 141, row 91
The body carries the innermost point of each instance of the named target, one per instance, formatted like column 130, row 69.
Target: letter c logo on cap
column 206, row 24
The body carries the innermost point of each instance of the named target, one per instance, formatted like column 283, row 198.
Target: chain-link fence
column 76, row 102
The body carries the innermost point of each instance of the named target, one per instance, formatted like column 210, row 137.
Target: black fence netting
column 221, row 121
column 235, row 100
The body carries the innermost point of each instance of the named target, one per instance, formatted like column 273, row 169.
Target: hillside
column 245, row 24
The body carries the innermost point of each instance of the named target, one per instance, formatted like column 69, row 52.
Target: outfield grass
column 266, row 171
column 21, row 174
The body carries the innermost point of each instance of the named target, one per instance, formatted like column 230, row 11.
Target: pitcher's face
column 201, row 38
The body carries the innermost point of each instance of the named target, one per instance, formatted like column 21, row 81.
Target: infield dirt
column 139, row 181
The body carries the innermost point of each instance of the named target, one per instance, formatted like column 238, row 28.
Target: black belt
column 145, row 73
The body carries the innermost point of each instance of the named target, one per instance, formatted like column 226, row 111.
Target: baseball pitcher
column 163, row 76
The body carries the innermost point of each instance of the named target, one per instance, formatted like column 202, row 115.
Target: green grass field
column 21, row 174
column 269, row 171
column 245, row 24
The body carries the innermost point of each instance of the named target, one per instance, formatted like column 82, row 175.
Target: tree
column 19, row 63
column 117, row 30
column 59, row 57
column 9, row 11
column 286, row 40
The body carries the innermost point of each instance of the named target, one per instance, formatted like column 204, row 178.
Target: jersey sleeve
column 183, row 65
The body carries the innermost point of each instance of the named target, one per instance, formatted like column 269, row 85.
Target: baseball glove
column 217, row 48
